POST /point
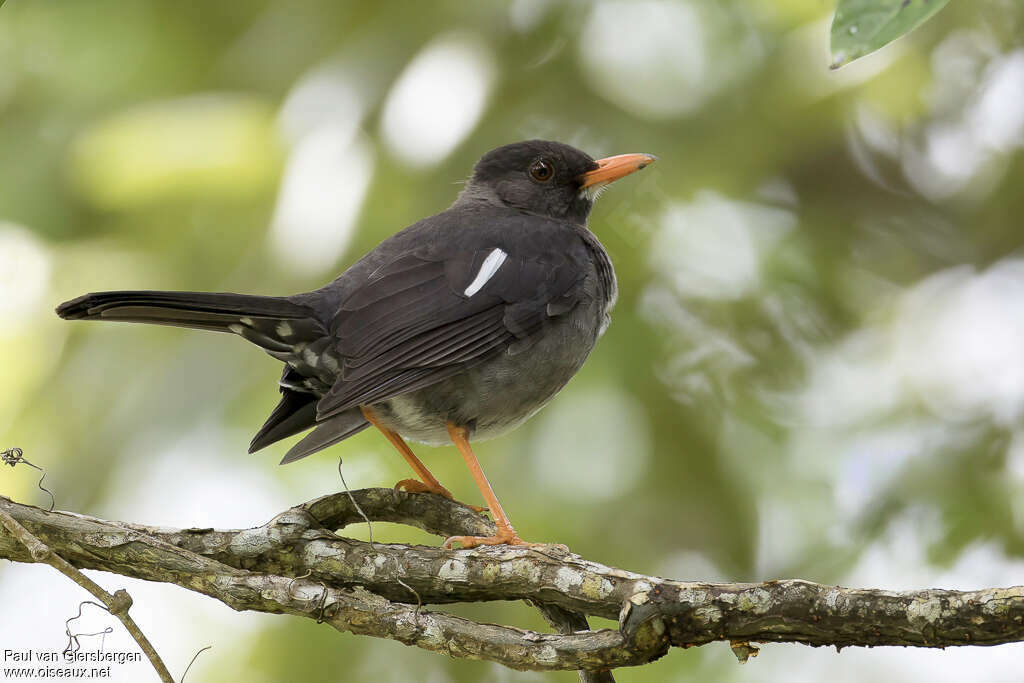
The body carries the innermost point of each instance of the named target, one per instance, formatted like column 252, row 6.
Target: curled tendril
column 73, row 644
column 16, row 456
column 355, row 504
column 194, row 658
column 419, row 601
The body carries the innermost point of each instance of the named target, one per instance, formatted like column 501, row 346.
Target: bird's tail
column 278, row 325
column 274, row 323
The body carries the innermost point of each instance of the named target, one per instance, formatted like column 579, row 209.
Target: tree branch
column 117, row 603
column 374, row 589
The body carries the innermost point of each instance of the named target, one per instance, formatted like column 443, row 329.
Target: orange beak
column 611, row 169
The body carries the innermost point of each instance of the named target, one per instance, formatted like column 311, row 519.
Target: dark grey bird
column 461, row 326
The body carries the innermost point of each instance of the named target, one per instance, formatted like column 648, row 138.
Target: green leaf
column 863, row 26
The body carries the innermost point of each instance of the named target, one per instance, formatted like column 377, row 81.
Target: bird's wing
column 429, row 313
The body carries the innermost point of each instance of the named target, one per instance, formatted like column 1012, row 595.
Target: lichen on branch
column 298, row 564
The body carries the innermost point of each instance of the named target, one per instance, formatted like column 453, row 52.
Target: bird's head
column 547, row 178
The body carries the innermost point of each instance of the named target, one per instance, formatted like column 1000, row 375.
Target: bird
column 459, row 327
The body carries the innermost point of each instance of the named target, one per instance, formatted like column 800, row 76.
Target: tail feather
column 327, row 433
column 204, row 310
column 276, row 324
column 272, row 323
column 295, row 413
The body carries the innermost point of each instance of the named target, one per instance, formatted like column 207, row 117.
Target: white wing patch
column 487, row 270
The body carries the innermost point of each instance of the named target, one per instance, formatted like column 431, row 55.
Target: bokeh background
column 815, row 369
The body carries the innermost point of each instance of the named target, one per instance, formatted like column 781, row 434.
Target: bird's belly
column 497, row 395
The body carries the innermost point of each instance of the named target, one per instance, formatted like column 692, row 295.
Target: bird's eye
column 542, row 170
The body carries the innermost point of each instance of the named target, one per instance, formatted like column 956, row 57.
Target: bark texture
column 296, row 564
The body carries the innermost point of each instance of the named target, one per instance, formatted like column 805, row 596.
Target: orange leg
column 428, row 483
column 506, row 534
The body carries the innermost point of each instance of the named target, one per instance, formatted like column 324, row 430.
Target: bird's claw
column 417, row 486
column 503, row 537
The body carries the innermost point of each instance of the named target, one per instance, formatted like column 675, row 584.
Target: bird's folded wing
column 430, row 314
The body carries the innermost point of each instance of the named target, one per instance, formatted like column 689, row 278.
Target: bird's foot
column 503, row 537
column 417, row 486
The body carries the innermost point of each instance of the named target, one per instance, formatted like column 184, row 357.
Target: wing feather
column 410, row 324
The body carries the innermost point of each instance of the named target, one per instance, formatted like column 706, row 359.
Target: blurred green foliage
column 814, row 352
column 862, row 26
